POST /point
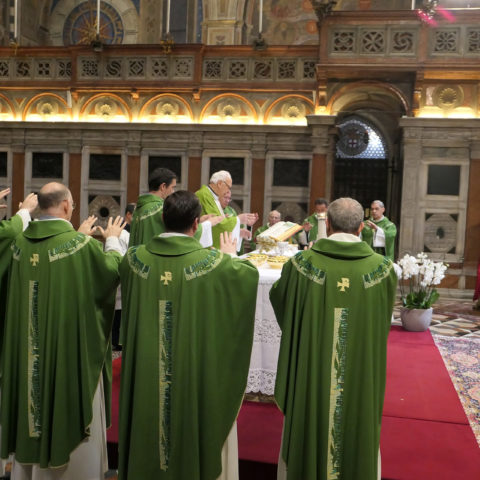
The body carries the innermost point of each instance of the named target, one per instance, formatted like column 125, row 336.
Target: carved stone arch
column 229, row 108
column 105, row 107
column 379, row 105
column 373, row 95
column 47, row 107
column 7, row 110
column 166, row 108
column 289, row 110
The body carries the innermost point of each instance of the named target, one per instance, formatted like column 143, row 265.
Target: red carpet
column 425, row 433
column 112, row 432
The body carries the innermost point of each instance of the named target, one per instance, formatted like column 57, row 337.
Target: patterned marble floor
column 453, row 318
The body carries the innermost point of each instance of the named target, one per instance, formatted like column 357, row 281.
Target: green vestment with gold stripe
column 61, row 296
column 187, row 338
column 390, row 231
column 147, row 220
column 209, row 206
column 9, row 229
column 334, row 306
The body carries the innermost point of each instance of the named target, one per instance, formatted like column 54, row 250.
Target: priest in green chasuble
column 334, row 305
column 9, row 229
column 210, row 196
column 379, row 231
column 187, row 339
column 314, row 225
column 147, row 219
column 56, row 381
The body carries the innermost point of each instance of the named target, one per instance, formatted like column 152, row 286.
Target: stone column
column 133, row 177
column 412, row 153
column 472, row 230
column 257, row 192
column 323, row 156
column 75, row 183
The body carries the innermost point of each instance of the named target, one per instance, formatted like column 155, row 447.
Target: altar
column 266, row 339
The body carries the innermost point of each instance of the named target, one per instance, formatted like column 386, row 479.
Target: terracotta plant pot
column 416, row 319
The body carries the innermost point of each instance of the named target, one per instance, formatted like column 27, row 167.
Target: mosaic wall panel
column 35, row 69
column 140, row 68
column 375, row 40
column 284, row 69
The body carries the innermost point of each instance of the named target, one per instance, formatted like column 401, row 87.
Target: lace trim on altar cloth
column 209, row 263
column 261, row 381
column 375, row 277
column 267, row 332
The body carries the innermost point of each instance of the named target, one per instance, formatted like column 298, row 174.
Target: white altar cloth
column 266, row 339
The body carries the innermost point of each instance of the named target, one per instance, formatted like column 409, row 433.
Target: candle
column 413, row 4
column 98, row 18
column 168, row 16
column 15, row 20
column 260, row 17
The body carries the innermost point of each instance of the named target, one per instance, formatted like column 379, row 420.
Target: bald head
column 55, row 199
column 345, row 215
column 274, row 217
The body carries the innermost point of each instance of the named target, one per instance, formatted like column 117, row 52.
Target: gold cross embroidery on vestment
column 167, row 277
column 345, row 283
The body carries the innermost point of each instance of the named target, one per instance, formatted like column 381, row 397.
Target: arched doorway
column 361, row 168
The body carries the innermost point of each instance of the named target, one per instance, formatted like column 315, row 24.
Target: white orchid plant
column 418, row 277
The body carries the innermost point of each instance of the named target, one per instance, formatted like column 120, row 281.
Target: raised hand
column 227, row 243
column 114, row 227
column 30, row 202
column 87, row 227
column 3, row 194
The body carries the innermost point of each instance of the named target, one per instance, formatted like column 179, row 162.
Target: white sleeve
column 379, row 238
column 24, row 214
column 206, row 239
column 123, row 239
column 113, row 244
column 236, row 235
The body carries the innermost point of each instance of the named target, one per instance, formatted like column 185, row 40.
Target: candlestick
column 260, row 17
column 168, row 16
column 98, row 18
column 15, row 21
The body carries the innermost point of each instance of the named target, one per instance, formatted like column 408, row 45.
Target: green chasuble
column 209, row 206
column 147, row 220
column 9, row 229
column 334, row 306
column 186, row 352
column 312, row 234
column 390, row 233
column 61, row 296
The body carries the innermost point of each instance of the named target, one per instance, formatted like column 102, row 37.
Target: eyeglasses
column 228, row 186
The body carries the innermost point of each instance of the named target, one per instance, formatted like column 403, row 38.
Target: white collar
column 344, row 237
